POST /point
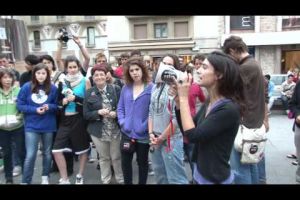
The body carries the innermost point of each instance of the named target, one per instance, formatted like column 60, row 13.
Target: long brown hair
column 139, row 62
column 230, row 85
column 35, row 84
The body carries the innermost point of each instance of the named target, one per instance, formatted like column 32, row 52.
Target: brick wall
column 267, row 59
column 268, row 23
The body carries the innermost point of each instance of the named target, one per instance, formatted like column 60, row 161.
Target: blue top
column 78, row 90
column 159, row 110
column 271, row 87
column 133, row 114
column 28, row 102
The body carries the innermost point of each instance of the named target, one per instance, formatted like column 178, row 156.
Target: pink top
column 119, row 72
column 194, row 93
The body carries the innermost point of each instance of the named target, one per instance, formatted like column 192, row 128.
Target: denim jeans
column 243, row 173
column 169, row 166
column 285, row 101
column 6, row 140
column 31, row 143
column 261, row 166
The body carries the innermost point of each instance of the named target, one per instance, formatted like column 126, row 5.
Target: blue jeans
column 6, row 140
column 31, row 143
column 261, row 166
column 169, row 166
column 243, row 173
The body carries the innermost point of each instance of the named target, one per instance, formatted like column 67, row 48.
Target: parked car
column 278, row 79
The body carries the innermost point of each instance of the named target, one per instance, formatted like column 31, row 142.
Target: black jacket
column 213, row 137
column 93, row 102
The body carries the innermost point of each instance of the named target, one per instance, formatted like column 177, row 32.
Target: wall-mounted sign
column 242, row 22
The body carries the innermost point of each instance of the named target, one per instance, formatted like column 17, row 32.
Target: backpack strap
column 55, row 78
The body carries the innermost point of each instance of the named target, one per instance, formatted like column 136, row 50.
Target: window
column 242, row 22
column 181, row 29
column 290, row 21
column 140, row 31
column 91, row 36
column 251, row 50
column 35, row 18
column 61, row 18
column 160, row 30
column 37, row 39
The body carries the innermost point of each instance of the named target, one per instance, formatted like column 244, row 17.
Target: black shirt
column 25, row 77
column 213, row 137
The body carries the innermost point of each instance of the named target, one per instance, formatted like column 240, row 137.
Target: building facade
column 274, row 40
column 43, row 32
column 157, row 35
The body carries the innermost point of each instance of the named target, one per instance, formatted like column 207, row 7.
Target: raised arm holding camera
column 64, row 37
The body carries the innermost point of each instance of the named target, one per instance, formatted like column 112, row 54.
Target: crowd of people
column 124, row 110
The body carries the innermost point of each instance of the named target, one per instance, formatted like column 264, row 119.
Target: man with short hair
column 5, row 63
column 30, row 61
column 271, row 87
column 256, row 99
column 288, row 87
column 119, row 71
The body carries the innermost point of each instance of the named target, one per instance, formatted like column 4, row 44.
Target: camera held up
column 167, row 72
column 64, row 35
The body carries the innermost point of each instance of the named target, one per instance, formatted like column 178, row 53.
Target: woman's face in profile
column 207, row 76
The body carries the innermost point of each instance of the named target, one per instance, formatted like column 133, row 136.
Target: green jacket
column 10, row 117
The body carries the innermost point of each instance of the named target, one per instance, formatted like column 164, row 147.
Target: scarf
column 74, row 79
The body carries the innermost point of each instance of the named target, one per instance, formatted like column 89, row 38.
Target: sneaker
column 291, row 156
column 150, row 171
column 295, row 162
column 17, row 171
column 91, row 160
column 45, row 180
column 64, row 182
column 79, row 179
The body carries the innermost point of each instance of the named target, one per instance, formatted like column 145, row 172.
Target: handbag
column 251, row 143
column 127, row 144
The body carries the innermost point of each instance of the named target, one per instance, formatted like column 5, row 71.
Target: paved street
column 279, row 168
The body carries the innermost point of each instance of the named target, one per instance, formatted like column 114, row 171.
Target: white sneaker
column 91, row 160
column 64, row 182
column 45, row 180
column 79, row 179
column 17, row 171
